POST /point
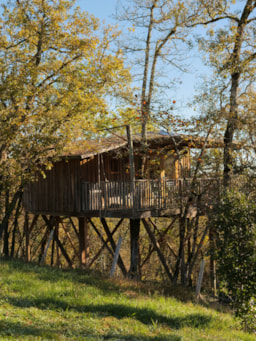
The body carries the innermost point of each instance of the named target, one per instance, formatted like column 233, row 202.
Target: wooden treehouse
column 94, row 179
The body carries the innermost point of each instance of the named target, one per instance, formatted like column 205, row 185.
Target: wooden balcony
column 144, row 198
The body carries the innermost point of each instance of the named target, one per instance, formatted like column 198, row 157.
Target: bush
column 235, row 225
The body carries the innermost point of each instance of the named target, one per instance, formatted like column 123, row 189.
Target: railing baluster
column 148, row 194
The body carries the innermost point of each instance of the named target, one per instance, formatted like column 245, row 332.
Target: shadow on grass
column 144, row 315
column 17, row 329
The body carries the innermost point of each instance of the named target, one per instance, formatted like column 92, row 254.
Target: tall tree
column 56, row 70
column 157, row 30
column 231, row 51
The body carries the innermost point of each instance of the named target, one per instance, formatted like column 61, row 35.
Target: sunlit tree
column 56, row 73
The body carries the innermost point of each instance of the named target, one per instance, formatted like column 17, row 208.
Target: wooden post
column 157, row 248
column 132, row 168
column 212, row 262
column 26, row 227
column 47, row 246
column 116, row 256
column 113, row 245
column 131, row 156
column 135, row 250
column 56, row 236
column 200, row 278
column 83, row 241
column 105, row 242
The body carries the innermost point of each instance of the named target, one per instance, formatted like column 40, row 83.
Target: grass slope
column 41, row 303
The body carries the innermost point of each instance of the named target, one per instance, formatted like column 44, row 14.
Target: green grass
column 41, row 303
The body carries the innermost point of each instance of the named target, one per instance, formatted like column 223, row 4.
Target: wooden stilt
column 27, row 234
column 102, row 239
column 162, row 235
column 74, row 227
column 105, row 242
column 63, row 251
column 113, row 245
column 83, row 241
column 52, row 253
column 157, row 248
column 70, row 239
column 135, row 251
column 56, row 237
column 49, row 225
column 212, row 262
column 33, row 223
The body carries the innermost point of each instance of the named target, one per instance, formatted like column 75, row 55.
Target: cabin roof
column 85, row 149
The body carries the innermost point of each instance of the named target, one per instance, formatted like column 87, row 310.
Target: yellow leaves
column 64, row 94
column 211, row 32
column 131, row 29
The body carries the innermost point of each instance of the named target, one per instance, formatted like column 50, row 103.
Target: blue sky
column 104, row 10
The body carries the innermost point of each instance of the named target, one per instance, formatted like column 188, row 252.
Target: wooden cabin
column 93, row 179
column 101, row 178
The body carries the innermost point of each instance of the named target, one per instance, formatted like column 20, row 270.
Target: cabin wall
column 58, row 192
column 105, row 167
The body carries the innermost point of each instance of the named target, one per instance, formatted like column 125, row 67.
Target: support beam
column 83, row 241
column 33, row 223
column 70, row 239
column 49, row 226
column 74, row 227
column 27, row 234
column 113, row 245
column 105, row 242
column 66, row 256
column 157, row 248
column 162, row 235
column 134, row 272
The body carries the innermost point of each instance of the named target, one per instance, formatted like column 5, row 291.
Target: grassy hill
column 41, row 303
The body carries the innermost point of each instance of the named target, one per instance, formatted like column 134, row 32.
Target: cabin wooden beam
column 33, row 223
column 157, row 248
column 53, row 248
column 70, row 239
column 113, row 245
column 101, row 237
column 83, row 241
column 105, row 242
column 40, row 244
column 56, row 236
column 26, row 231
column 160, row 239
column 74, row 227
column 134, row 272
column 63, row 251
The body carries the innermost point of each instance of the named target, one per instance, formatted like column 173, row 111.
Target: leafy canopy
column 56, row 71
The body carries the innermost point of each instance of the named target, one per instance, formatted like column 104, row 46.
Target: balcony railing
column 143, row 195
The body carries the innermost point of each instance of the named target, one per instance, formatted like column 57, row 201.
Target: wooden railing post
column 83, row 241
column 132, row 168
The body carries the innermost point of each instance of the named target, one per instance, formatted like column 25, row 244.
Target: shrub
column 235, row 225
